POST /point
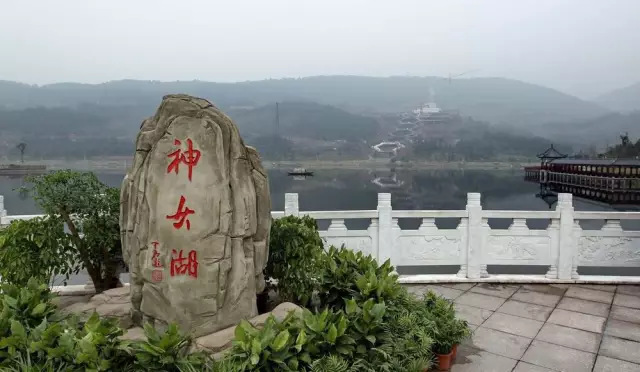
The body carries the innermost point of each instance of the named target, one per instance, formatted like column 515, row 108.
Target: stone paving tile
column 546, row 288
column 606, row 364
column 533, row 297
column 499, row 343
column 620, row 329
column 584, row 306
column 618, row 348
column 569, row 337
column 599, row 287
column 473, row 360
column 480, row 300
column 590, row 294
column 497, row 290
column 513, row 324
column 626, row 300
column 459, row 286
column 420, row 290
column 525, row 310
column 446, row 292
column 558, row 357
column 633, row 290
column 626, row 314
column 473, row 315
column 572, row 319
column 526, row 367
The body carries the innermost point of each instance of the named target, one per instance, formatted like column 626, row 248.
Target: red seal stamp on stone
column 156, row 275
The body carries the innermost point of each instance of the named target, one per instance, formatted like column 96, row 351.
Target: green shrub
column 347, row 274
column 91, row 211
column 28, row 305
column 35, row 337
column 295, row 343
column 36, row 248
column 273, row 348
column 449, row 329
column 295, row 251
column 169, row 352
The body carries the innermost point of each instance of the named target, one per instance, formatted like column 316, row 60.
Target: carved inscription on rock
column 195, row 219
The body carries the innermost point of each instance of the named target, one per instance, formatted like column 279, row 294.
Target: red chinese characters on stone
column 184, row 265
column 190, row 158
column 155, row 257
column 182, row 215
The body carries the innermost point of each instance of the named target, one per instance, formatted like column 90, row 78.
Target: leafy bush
column 449, row 329
column 296, row 342
column 28, row 306
column 35, row 337
column 347, row 274
column 295, row 251
column 36, row 248
column 91, row 211
column 169, row 352
column 272, row 348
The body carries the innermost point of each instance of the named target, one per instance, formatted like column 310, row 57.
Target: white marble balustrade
column 562, row 247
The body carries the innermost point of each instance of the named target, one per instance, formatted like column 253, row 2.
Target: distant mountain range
column 496, row 100
column 623, row 100
column 71, row 119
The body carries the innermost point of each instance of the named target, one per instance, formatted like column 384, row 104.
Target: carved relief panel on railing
column 609, row 246
column 429, row 245
column 519, row 243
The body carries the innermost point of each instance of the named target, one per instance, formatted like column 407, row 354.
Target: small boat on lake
column 300, row 172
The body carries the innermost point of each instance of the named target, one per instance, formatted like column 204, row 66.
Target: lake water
column 410, row 189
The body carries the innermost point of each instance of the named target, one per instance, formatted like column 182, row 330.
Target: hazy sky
column 583, row 47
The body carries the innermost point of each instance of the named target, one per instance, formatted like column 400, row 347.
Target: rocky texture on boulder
column 195, row 219
column 112, row 303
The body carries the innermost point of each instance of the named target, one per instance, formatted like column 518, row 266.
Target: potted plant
column 461, row 333
column 444, row 342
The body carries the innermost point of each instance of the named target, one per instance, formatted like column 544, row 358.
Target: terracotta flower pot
column 454, row 352
column 444, row 361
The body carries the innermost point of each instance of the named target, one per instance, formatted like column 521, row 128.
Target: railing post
column 291, row 207
column 385, row 234
column 475, row 237
column 3, row 212
column 567, row 245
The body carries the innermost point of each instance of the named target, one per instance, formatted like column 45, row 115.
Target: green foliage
column 295, row 251
column 272, row 348
column 36, row 248
column 34, row 337
column 91, row 211
column 300, row 339
column 347, row 274
column 450, row 330
column 28, row 305
column 167, row 352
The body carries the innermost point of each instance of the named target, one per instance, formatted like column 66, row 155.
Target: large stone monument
column 195, row 217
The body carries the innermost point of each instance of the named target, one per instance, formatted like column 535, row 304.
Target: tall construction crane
column 464, row 73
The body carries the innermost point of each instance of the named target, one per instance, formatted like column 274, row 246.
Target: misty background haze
column 584, row 48
column 510, row 77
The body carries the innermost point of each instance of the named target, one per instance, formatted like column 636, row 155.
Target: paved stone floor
column 545, row 328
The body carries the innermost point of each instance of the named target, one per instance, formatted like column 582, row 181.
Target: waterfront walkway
column 546, row 327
